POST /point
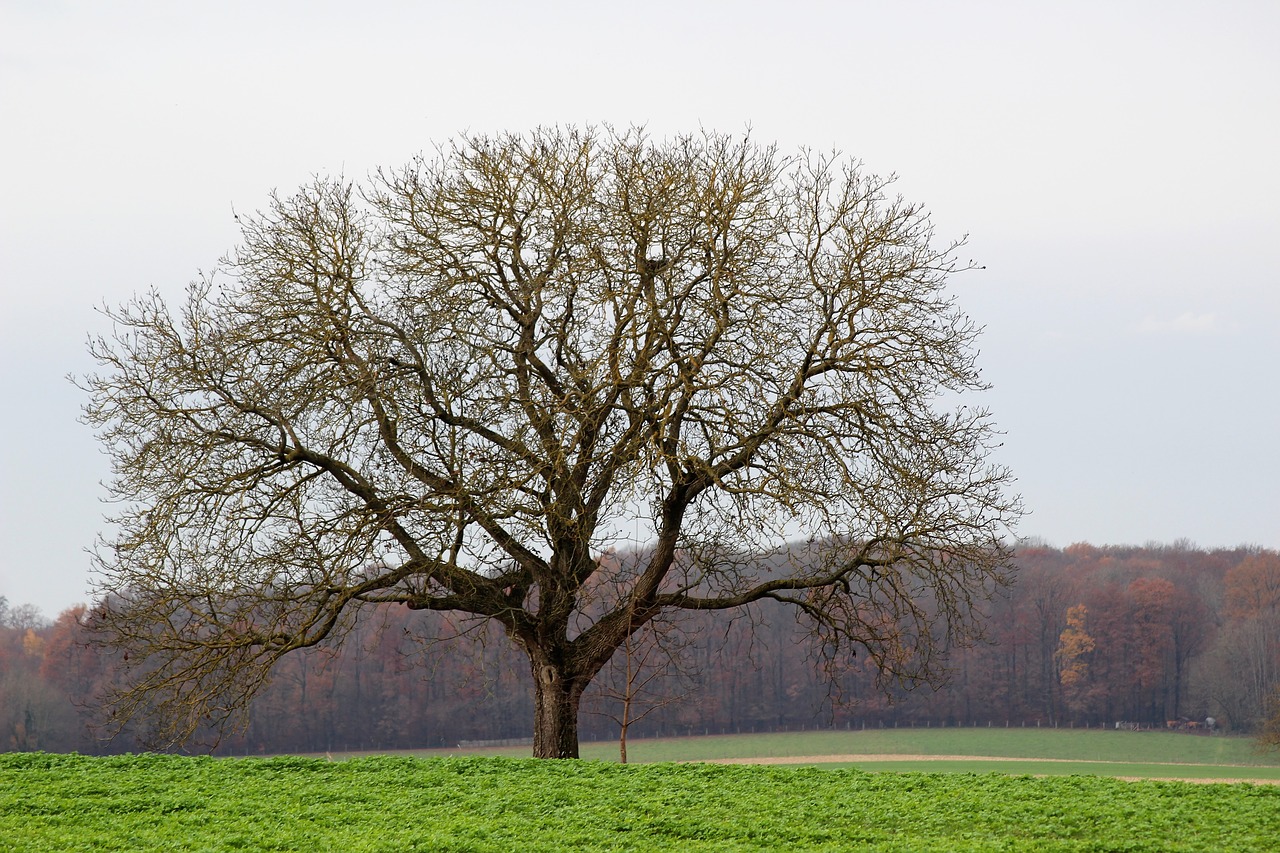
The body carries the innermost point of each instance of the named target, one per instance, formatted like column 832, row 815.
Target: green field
column 1048, row 790
column 152, row 802
column 1039, row 751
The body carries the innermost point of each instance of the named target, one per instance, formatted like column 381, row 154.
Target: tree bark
column 555, row 717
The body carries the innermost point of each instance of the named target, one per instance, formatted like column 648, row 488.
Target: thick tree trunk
column 555, row 716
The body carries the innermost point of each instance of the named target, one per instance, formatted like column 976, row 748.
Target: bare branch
column 461, row 385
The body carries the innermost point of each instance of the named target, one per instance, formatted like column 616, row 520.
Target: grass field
column 151, row 802
column 1058, row 752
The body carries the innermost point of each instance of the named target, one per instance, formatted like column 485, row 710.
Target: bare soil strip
column 1224, row 781
column 881, row 756
column 877, row 757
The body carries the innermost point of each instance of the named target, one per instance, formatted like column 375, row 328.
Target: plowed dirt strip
column 880, row 756
column 1198, row 781
column 877, row 757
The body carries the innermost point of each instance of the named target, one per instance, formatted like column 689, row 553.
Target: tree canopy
column 471, row 383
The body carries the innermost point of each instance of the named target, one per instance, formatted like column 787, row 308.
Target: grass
column 151, row 802
column 1142, row 754
column 1117, row 769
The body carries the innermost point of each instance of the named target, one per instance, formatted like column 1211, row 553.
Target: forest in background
column 1088, row 636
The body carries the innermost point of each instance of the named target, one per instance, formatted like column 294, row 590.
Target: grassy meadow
column 1034, row 751
column 496, row 803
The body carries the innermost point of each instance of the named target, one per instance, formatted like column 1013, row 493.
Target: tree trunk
column 627, row 696
column 555, row 716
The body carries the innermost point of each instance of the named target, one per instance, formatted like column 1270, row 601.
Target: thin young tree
column 455, row 387
column 649, row 672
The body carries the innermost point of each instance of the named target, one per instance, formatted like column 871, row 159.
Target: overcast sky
column 1113, row 163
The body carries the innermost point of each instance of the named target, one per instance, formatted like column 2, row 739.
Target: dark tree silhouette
column 459, row 386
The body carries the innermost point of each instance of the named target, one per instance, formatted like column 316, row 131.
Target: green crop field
column 154, row 802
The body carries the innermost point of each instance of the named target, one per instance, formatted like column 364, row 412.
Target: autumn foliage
column 1088, row 636
column 1074, row 645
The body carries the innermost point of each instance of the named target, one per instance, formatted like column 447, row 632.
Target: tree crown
column 459, row 386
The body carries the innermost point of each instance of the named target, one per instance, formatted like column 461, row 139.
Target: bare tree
column 456, row 387
column 640, row 676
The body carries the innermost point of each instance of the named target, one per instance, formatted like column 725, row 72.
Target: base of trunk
column 555, row 717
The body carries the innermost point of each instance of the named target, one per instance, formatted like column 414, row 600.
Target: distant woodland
column 1145, row 636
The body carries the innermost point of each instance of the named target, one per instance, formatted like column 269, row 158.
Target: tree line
column 1087, row 636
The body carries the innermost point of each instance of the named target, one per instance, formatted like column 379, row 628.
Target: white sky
column 1114, row 163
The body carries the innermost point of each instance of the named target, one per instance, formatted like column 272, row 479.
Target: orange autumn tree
column 1074, row 645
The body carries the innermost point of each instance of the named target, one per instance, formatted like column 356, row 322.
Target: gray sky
column 1114, row 164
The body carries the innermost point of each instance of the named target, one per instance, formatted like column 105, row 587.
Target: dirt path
column 868, row 758
column 825, row 759
column 1198, row 781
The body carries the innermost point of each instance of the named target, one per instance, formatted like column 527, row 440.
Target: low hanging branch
column 458, row 387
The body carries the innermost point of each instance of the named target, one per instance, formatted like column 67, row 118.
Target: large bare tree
column 457, row 387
